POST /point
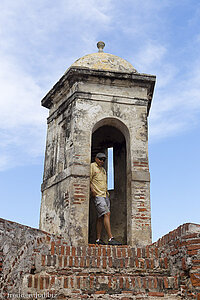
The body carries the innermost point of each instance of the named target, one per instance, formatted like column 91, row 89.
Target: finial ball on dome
column 100, row 46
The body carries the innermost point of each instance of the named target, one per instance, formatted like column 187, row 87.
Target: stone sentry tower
column 100, row 102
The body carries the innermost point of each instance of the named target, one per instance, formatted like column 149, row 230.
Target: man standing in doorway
column 98, row 185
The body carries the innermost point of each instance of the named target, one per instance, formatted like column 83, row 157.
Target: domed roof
column 104, row 61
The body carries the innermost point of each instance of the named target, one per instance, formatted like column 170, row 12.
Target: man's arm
column 92, row 190
column 91, row 185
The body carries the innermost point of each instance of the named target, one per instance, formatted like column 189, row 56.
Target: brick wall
column 35, row 262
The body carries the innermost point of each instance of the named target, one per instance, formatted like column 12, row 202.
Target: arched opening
column 107, row 137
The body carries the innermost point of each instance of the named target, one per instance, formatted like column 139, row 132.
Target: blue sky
column 39, row 40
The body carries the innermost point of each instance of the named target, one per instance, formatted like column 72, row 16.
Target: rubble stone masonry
column 34, row 263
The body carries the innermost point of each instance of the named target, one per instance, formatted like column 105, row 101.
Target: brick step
column 101, row 250
column 104, row 262
column 94, row 283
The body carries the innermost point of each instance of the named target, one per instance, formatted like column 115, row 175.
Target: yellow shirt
column 98, row 179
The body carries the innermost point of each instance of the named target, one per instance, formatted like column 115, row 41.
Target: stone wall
column 35, row 263
column 82, row 103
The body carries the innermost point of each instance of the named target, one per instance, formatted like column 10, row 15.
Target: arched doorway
column 107, row 135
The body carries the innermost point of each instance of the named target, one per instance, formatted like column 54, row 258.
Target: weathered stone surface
column 33, row 262
column 100, row 102
column 104, row 61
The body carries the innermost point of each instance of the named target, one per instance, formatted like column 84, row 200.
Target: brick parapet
column 35, row 261
column 182, row 248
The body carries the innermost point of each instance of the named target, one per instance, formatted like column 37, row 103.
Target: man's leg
column 99, row 227
column 106, row 221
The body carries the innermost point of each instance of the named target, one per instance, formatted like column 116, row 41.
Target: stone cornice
column 76, row 74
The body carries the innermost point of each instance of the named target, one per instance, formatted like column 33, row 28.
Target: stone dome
column 104, row 61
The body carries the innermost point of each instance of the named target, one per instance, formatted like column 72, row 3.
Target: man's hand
column 94, row 194
column 93, row 191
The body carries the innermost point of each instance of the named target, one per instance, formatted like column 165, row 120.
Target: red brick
column 139, row 282
column 121, row 263
column 119, row 253
column 52, row 248
column 196, row 261
column 184, row 264
column 152, row 263
column 156, row 294
column 93, row 252
column 84, row 279
column 176, row 282
column 36, row 281
column 166, row 262
column 76, row 264
column 52, row 281
column 110, row 262
column 60, row 260
column 192, row 252
column 195, row 279
column 62, row 250
column 121, row 282
column 70, row 261
column 99, row 251
column 193, row 247
column 137, row 263
column 155, row 282
column 141, row 263
column 72, row 282
column 89, row 251
column 195, row 267
column 43, row 260
column 100, row 292
column 114, row 251
column 87, row 262
column 138, row 252
column 98, row 262
column 65, row 261
column 123, row 252
column 108, row 251
column 41, row 282
column 147, row 251
column 73, row 251
column 174, row 252
column 46, row 282
column 166, row 285
column 104, row 262
column 109, row 282
column 129, row 252
column 147, row 263
column 133, row 281
column 190, row 242
column 142, row 209
column 126, row 262
column 91, row 281
column 67, row 250
column 82, row 263
column 78, row 282
column 29, row 281
column 149, row 283
column 156, row 252
column 144, row 283
column 104, row 251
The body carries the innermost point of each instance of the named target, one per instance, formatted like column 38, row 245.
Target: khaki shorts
column 102, row 205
